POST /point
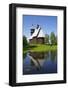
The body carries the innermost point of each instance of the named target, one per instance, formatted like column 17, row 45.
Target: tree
column 46, row 39
column 25, row 43
column 55, row 39
column 52, row 38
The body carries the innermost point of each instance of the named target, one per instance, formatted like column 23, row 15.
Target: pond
column 40, row 62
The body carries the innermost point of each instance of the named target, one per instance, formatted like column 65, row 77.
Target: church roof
column 41, row 34
column 37, row 33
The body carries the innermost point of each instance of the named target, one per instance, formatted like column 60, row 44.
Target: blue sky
column 47, row 23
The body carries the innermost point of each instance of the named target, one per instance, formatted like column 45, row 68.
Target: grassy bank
column 40, row 48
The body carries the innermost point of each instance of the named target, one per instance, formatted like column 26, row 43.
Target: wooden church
column 37, row 35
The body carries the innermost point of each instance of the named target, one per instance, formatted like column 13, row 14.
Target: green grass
column 40, row 48
column 25, row 49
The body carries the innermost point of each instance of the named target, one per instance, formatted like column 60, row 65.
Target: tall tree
column 55, row 39
column 25, row 43
column 46, row 39
column 52, row 38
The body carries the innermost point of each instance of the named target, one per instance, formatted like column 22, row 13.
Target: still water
column 40, row 62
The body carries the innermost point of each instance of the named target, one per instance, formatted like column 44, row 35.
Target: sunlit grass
column 40, row 48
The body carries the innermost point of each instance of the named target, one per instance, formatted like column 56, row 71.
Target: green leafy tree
column 46, row 39
column 56, row 40
column 53, row 38
column 25, row 43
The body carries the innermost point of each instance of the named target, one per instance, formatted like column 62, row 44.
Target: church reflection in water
column 40, row 62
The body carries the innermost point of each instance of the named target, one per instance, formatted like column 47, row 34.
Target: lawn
column 40, row 48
